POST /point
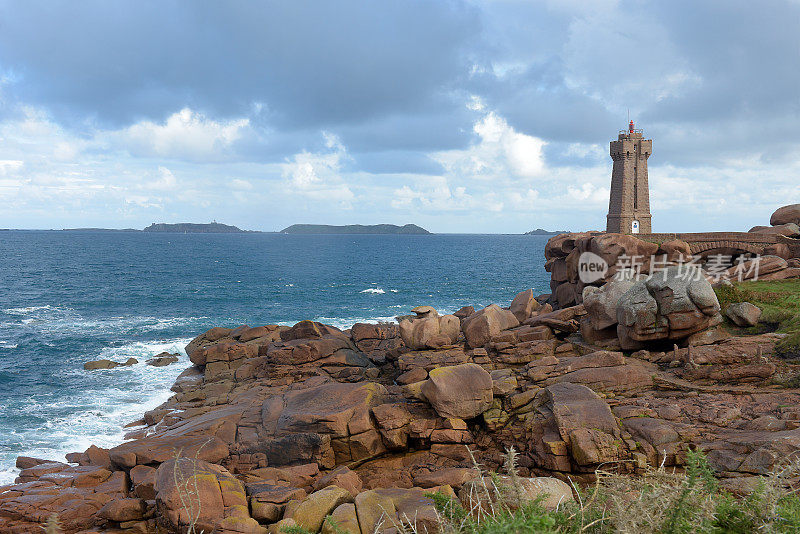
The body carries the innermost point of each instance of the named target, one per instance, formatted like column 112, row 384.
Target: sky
column 461, row 116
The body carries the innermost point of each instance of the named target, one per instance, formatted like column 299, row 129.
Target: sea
column 67, row 297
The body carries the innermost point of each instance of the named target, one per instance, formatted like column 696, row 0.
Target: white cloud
column 241, row 185
column 500, row 151
column 10, row 166
column 434, row 194
column 588, row 192
column 186, row 134
column 165, row 181
column 317, row 175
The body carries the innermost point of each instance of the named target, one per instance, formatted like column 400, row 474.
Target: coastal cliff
column 287, row 425
column 275, row 426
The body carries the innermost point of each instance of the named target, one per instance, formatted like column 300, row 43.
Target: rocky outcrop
column 669, row 307
column 788, row 230
column 286, row 426
column 523, row 305
column 429, row 330
column 617, row 251
column 108, row 364
column 486, row 324
column 743, row 313
column 162, row 359
column 459, row 392
column 786, row 215
column 604, row 254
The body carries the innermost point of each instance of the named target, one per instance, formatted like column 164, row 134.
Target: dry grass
column 660, row 501
column 53, row 525
column 188, row 492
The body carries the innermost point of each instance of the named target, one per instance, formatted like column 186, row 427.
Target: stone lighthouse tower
column 629, row 206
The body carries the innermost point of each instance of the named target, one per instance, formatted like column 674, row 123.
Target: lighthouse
column 629, row 205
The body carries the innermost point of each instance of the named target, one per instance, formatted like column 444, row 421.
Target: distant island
column 219, row 228
column 406, row 229
column 540, row 231
column 100, row 230
column 183, row 228
column 195, row 228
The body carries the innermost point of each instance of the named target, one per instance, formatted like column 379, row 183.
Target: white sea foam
column 374, row 290
column 29, row 309
column 63, row 320
column 97, row 415
column 346, row 322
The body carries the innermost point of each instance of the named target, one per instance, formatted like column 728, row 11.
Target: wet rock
column 108, row 364
column 162, row 359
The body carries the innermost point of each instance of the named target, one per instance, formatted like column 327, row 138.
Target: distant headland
column 182, row 228
column 540, row 231
column 355, row 229
column 195, row 228
column 219, row 228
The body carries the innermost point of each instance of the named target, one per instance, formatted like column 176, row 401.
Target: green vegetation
column 780, row 301
column 660, row 501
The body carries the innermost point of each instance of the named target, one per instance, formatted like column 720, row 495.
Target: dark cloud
column 715, row 83
column 397, row 162
column 308, row 63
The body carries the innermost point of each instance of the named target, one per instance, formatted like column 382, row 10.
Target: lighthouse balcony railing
column 628, row 132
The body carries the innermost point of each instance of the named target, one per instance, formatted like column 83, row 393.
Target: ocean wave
column 344, row 323
column 30, row 309
column 102, row 403
column 63, row 320
column 374, row 290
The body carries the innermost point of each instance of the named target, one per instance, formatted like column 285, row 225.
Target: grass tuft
column 780, row 302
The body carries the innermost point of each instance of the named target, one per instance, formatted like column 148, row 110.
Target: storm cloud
column 463, row 116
